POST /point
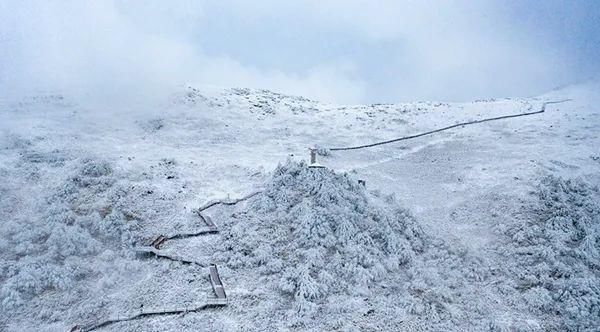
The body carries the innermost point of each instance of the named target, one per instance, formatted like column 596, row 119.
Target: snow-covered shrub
column 52, row 158
column 52, row 248
column 12, row 141
column 315, row 233
column 555, row 253
column 153, row 125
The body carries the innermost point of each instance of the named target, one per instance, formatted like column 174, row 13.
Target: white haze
column 113, row 51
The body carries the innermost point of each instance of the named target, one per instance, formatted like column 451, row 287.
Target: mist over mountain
column 299, row 166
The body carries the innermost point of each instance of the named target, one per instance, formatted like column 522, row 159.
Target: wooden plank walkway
column 192, row 234
column 220, row 298
column 218, row 301
column 211, row 229
column 208, row 221
column 217, row 285
column 160, row 254
column 151, row 312
column 212, row 203
column 158, row 241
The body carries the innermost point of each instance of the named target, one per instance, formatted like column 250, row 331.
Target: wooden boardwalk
column 216, row 283
column 218, row 301
column 208, row 220
column 211, row 229
column 212, row 203
column 220, row 298
column 149, row 250
column 209, row 303
column 158, row 241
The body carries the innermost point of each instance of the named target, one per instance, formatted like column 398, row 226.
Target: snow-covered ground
column 500, row 221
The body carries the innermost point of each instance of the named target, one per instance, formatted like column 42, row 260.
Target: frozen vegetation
column 494, row 227
column 74, row 232
column 553, row 250
column 339, row 256
column 315, row 234
column 324, row 243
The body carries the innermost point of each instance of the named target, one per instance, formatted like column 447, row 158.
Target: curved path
column 227, row 202
column 210, row 303
column 220, row 298
column 542, row 110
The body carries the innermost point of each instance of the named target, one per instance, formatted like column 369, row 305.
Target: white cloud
column 111, row 50
column 445, row 49
column 452, row 50
column 323, row 82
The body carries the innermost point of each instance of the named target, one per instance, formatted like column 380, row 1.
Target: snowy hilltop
column 111, row 216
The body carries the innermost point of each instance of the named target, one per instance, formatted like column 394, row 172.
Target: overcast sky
column 337, row 51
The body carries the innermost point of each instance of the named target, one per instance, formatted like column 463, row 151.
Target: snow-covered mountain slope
column 507, row 213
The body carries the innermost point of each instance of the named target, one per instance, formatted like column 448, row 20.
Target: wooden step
column 210, row 223
column 215, row 280
column 158, row 241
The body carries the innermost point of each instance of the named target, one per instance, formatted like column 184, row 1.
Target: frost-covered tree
column 553, row 253
column 318, row 233
column 51, row 249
